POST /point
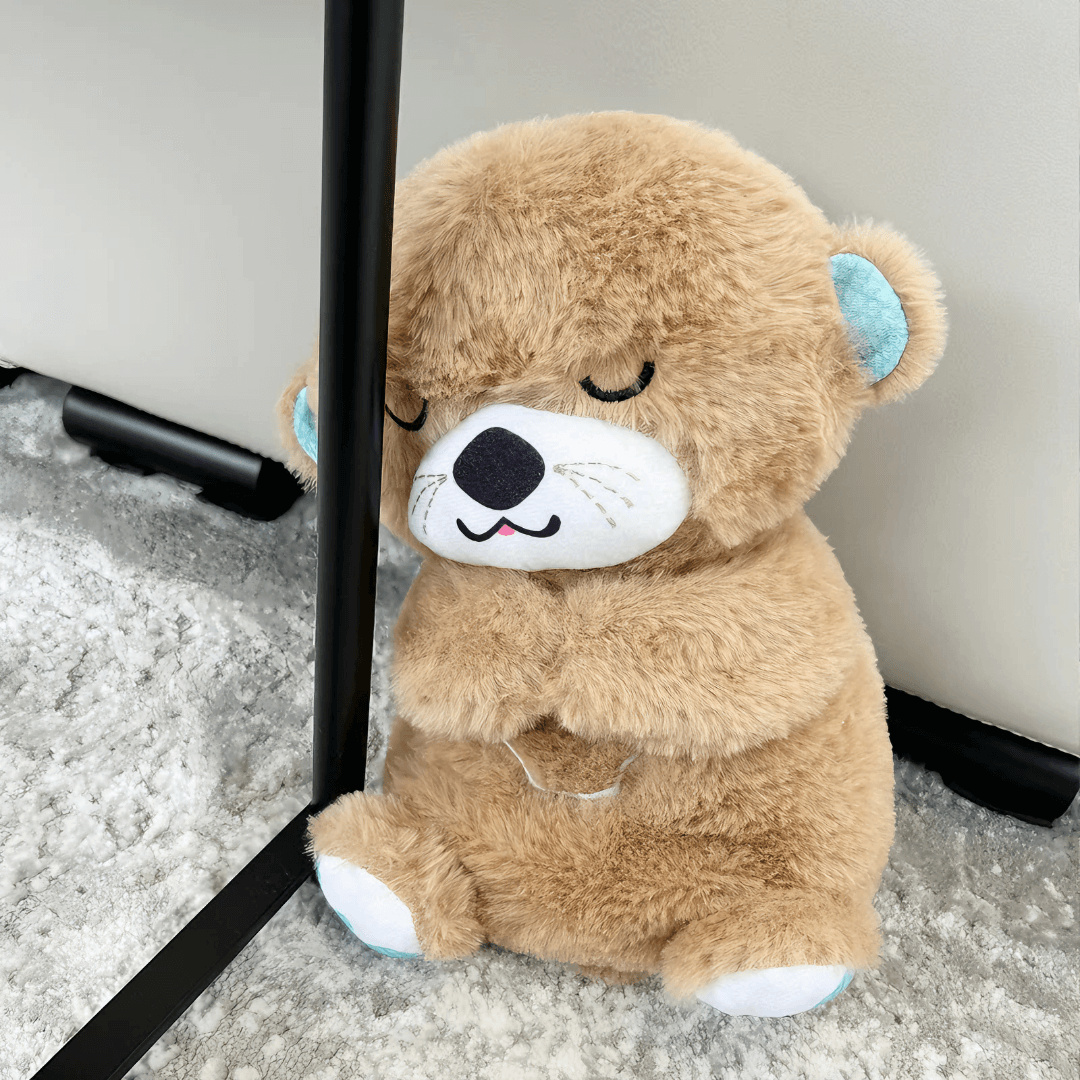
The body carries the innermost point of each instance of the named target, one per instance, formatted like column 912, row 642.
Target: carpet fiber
column 155, row 722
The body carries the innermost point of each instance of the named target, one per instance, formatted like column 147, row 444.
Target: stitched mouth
column 550, row 529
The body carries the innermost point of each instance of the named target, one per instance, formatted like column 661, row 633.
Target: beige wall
column 159, row 221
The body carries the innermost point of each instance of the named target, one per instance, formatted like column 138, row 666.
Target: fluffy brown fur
column 752, row 828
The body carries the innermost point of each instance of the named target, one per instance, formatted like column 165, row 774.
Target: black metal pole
column 362, row 74
column 362, row 65
column 119, row 1033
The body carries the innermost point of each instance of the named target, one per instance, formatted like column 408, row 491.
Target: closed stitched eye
column 633, row 390
column 409, row 425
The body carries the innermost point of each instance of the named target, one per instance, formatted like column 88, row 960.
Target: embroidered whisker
column 565, row 472
column 438, row 479
column 596, row 480
column 602, row 464
column 437, row 482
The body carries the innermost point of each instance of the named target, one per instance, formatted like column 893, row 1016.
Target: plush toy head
column 617, row 336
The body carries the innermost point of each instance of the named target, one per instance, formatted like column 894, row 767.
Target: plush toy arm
column 472, row 649
column 712, row 662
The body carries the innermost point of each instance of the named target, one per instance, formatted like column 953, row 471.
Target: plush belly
column 586, row 880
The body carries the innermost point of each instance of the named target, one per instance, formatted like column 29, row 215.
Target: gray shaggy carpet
column 155, row 723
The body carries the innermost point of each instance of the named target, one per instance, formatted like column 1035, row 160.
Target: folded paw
column 776, row 991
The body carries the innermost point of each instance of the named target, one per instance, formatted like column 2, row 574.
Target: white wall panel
column 159, row 242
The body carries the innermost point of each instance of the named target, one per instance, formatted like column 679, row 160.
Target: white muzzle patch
column 527, row 489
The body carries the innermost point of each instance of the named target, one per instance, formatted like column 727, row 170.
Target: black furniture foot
column 989, row 766
column 230, row 476
column 9, row 374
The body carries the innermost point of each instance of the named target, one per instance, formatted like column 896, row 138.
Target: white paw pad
column 370, row 909
column 776, row 991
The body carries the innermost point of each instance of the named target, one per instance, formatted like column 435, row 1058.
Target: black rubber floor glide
column 9, row 374
column 992, row 767
column 230, row 476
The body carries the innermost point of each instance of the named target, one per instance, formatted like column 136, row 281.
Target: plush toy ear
column 304, row 427
column 296, row 411
column 891, row 304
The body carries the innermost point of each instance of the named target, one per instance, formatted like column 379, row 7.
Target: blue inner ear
column 303, row 423
column 874, row 315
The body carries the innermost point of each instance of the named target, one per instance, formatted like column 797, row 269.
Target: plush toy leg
column 773, row 953
column 394, row 879
column 776, row 991
column 368, row 908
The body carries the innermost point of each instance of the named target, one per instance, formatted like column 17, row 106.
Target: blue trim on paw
column 307, row 434
column 845, row 982
column 393, row 953
column 876, row 323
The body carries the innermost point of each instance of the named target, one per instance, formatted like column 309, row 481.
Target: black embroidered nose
column 499, row 469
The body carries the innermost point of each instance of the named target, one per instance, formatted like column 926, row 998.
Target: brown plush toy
column 641, row 727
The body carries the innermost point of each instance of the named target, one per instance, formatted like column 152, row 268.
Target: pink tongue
column 506, row 531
